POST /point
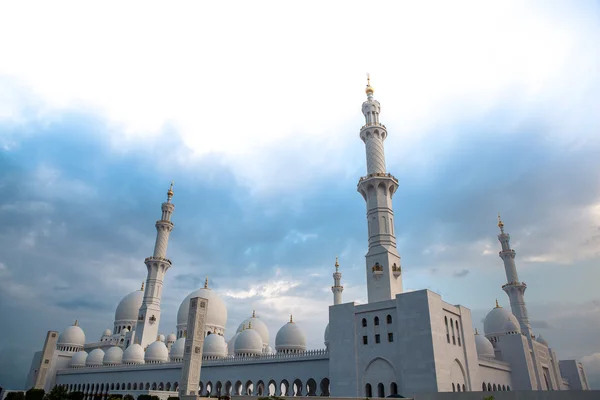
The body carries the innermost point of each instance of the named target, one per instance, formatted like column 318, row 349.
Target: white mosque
column 396, row 344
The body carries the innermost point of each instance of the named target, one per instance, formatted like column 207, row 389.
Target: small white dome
column 129, row 306
column 95, row 358
column 484, row 346
column 290, row 338
column 134, row 354
column 113, row 356
column 214, row 346
column 216, row 316
column 156, row 352
column 171, row 338
column 248, row 342
column 268, row 350
column 78, row 359
column 231, row 345
column 72, row 336
column 255, row 323
column 541, row 340
column 512, row 327
column 326, row 336
column 176, row 353
column 107, row 332
column 495, row 322
column 161, row 337
column 124, row 331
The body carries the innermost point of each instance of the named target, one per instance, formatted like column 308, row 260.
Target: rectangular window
column 46, row 361
column 390, row 337
column 365, row 340
column 377, row 339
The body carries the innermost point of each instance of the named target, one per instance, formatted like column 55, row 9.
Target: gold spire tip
column 477, row 333
column 142, row 286
column 250, row 325
column 76, row 323
column 337, row 264
column 291, row 318
column 500, row 223
column 369, row 89
column 497, row 305
column 253, row 313
column 206, row 283
column 170, row 192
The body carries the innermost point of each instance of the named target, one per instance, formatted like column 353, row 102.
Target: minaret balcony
column 372, row 124
column 378, row 175
column 157, row 259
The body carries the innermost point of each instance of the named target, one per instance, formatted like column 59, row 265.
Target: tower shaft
column 513, row 288
column 384, row 273
column 157, row 265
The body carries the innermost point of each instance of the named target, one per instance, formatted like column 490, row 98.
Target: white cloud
column 591, row 364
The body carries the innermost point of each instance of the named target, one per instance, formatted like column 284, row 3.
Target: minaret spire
column 337, row 287
column 157, row 265
column 513, row 288
column 384, row 274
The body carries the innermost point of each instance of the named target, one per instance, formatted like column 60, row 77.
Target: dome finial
column 337, row 264
column 206, row 283
column 76, row 323
column 291, row 319
column 477, row 333
column 500, row 224
column 170, row 192
column 253, row 313
column 497, row 305
column 369, row 90
column 142, row 289
column 250, row 325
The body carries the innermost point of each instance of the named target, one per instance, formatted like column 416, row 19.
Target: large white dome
column 484, row 346
column 495, row 322
column 216, row 316
column 78, row 359
column 156, row 352
column 255, row 323
column 214, row 346
column 95, row 358
column 129, row 306
column 248, row 342
column 113, row 356
column 134, row 354
column 290, row 338
column 72, row 336
column 176, row 353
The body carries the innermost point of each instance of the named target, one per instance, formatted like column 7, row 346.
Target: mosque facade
column 397, row 343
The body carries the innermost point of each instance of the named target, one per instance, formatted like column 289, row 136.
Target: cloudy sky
column 254, row 110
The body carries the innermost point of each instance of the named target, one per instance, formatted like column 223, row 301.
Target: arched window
column 376, row 321
column 380, row 390
column 494, row 388
column 458, row 387
column 393, row 388
column 464, row 389
column 453, row 335
column 447, row 329
column 504, row 388
column 368, row 390
column 388, row 319
column 453, row 387
column 507, row 388
column 483, row 387
column 489, row 387
column 364, row 322
column 457, row 332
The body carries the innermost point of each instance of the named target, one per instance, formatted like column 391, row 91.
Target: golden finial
column 369, row 90
column 76, row 323
column 500, row 224
column 158, row 338
column 477, row 333
column 291, row 319
column 243, row 327
column 206, row 283
column 142, row 289
column 249, row 325
column 253, row 313
column 337, row 264
column 497, row 305
column 170, row 192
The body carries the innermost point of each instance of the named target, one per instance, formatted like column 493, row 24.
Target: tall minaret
column 384, row 274
column 146, row 330
column 513, row 288
column 337, row 287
